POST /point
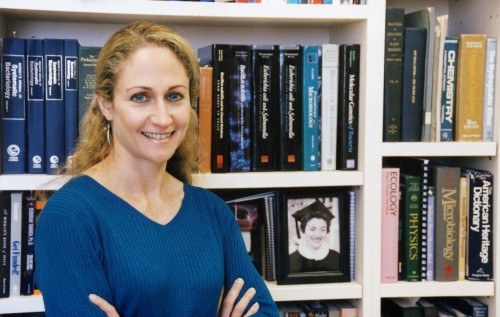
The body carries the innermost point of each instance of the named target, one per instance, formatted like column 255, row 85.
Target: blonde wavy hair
column 92, row 146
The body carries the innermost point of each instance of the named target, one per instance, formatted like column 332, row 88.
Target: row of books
column 279, row 107
column 19, row 212
column 438, row 86
column 433, row 307
column 437, row 222
column 330, row 308
column 46, row 89
column 271, row 223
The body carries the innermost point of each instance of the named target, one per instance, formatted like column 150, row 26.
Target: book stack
column 288, row 107
column 445, row 214
column 438, row 87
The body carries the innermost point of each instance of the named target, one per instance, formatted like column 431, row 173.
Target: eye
column 175, row 96
column 140, row 97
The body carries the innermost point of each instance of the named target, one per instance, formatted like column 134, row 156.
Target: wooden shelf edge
column 351, row 290
column 435, row 289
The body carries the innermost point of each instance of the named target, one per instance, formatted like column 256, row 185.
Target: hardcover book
column 70, row 96
column 217, row 56
column 329, row 96
column 431, row 232
column 414, row 62
column 390, row 224
column 87, row 61
column 290, row 108
column 348, row 116
column 400, row 307
column 35, row 103
column 470, row 87
column 310, row 110
column 5, row 204
column 240, row 107
column 462, row 233
column 446, row 180
column 489, row 88
column 410, row 212
column 480, row 244
column 205, row 118
column 448, row 92
column 265, row 107
column 469, row 306
column 425, row 18
column 440, row 32
column 393, row 71
column 54, row 104
column 13, row 106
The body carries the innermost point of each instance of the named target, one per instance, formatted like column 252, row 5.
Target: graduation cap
column 315, row 210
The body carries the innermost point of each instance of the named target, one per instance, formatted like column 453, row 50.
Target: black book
column 217, row 56
column 27, row 246
column 265, row 107
column 290, row 108
column 348, row 117
column 5, row 203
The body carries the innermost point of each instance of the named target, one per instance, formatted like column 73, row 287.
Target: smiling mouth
column 157, row 136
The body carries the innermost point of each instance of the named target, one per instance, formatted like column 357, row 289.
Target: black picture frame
column 331, row 269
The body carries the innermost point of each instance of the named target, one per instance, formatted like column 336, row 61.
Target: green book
column 86, row 77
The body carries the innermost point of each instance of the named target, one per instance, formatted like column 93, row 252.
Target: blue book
column 431, row 214
column 310, row 108
column 240, row 105
column 448, row 91
column 71, row 48
column 412, row 111
column 13, row 106
column 489, row 89
column 54, row 104
column 35, row 91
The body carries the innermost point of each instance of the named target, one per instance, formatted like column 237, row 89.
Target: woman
column 313, row 253
column 128, row 231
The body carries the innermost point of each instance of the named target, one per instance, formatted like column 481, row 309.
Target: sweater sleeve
column 68, row 263
column 238, row 264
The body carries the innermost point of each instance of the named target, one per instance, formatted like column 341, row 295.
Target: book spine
column 265, row 113
column 5, row 204
column 329, row 105
column 411, row 227
column 447, row 183
column 352, row 233
column 489, row 89
column 462, row 233
column 348, row 116
column 448, row 92
column 35, row 104
column 390, row 222
column 393, row 80
column 54, row 104
column 412, row 104
column 290, row 107
column 27, row 247
column 470, row 87
column 310, row 110
column 13, row 106
column 431, row 227
column 205, row 118
column 87, row 61
column 240, row 105
column 217, row 55
column 15, row 243
column 479, row 266
column 70, row 96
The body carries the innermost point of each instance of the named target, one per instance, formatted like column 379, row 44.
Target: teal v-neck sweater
column 89, row 240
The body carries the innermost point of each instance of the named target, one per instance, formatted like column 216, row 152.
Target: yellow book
column 470, row 87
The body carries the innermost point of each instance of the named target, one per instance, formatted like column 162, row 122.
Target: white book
column 489, row 88
column 329, row 105
column 15, row 243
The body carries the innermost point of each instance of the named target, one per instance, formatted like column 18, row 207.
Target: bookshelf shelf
column 21, row 304
column 432, row 289
column 352, row 290
column 439, row 149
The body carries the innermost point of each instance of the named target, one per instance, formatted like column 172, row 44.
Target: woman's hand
column 232, row 309
column 106, row 307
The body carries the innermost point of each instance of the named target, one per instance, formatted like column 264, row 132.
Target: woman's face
column 151, row 107
column 315, row 232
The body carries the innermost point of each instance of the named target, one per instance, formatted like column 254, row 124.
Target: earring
column 107, row 133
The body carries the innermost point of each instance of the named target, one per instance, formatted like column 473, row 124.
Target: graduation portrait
column 314, row 237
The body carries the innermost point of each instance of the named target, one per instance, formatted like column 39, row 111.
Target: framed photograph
column 313, row 242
